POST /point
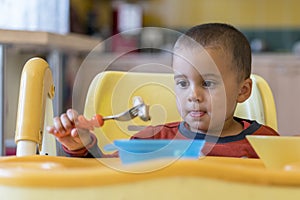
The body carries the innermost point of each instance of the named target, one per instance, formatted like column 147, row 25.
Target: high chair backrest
column 112, row 92
column 261, row 104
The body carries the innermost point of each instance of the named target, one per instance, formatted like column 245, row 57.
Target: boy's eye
column 208, row 84
column 182, row 83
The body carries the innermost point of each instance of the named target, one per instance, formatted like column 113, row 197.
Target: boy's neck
column 230, row 128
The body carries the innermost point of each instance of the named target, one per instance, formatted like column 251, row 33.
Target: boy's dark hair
column 228, row 38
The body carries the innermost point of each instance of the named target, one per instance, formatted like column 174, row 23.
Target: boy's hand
column 66, row 132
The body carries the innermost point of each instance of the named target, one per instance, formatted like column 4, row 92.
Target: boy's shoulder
column 266, row 130
column 256, row 128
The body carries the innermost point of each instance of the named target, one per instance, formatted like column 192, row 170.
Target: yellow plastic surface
column 268, row 102
column 36, row 85
column 78, row 178
column 277, row 152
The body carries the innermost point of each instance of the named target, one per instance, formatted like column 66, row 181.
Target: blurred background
column 65, row 31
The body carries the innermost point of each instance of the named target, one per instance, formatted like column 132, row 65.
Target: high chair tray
column 33, row 177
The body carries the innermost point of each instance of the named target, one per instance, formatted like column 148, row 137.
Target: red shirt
column 229, row 146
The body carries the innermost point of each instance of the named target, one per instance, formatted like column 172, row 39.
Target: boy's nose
column 196, row 94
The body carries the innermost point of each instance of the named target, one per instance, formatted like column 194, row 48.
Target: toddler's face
column 206, row 88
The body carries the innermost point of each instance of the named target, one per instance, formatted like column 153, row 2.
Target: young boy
column 212, row 67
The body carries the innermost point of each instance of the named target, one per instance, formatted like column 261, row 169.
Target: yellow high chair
column 261, row 105
column 112, row 92
column 32, row 177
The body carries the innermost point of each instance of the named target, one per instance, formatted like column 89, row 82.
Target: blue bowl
column 141, row 150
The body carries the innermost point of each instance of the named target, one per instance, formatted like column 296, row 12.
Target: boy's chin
column 197, row 127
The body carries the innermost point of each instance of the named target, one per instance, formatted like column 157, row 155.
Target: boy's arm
column 89, row 151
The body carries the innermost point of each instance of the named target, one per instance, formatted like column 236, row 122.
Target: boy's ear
column 245, row 90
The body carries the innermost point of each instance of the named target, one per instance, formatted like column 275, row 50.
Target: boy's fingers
column 75, row 135
column 83, row 123
column 65, row 121
column 50, row 129
column 58, row 125
column 81, row 136
column 72, row 115
column 74, row 132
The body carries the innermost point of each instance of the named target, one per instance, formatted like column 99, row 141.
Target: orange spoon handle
column 96, row 121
